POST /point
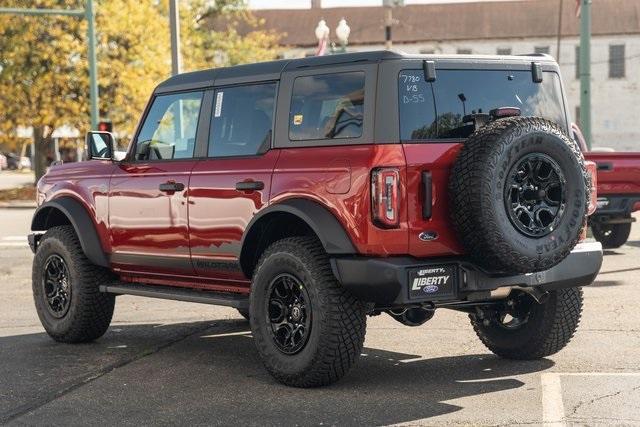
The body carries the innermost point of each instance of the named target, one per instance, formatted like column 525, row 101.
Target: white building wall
column 615, row 102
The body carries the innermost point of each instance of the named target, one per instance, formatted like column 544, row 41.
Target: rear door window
column 327, row 106
column 436, row 110
column 242, row 120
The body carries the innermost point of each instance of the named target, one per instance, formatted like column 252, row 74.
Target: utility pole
column 585, row 70
column 559, row 31
column 93, row 65
column 388, row 23
column 174, row 21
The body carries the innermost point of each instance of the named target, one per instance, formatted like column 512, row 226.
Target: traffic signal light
column 105, row 126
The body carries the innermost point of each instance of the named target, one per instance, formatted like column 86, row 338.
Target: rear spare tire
column 519, row 195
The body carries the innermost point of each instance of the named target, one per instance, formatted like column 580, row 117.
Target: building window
column 428, row 51
column 541, row 49
column 578, row 62
column 616, row 61
column 464, row 51
column 576, row 119
column 504, row 51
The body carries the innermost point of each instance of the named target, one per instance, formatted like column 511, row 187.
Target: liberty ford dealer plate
column 432, row 282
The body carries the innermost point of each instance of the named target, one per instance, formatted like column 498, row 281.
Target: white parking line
column 13, row 238
column 552, row 405
column 14, row 244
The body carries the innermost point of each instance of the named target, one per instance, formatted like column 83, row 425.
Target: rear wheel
column 611, row 235
column 66, row 289
column 522, row 328
column 307, row 328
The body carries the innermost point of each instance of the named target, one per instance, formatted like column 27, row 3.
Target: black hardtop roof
column 271, row 70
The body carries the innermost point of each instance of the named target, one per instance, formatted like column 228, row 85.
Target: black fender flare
column 81, row 222
column 324, row 224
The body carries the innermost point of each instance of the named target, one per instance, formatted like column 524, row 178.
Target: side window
column 328, row 106
column 169, row 130
column 242, row 120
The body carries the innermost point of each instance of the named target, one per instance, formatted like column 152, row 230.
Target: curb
column 18, row 204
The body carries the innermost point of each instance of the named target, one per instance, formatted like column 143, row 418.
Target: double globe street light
column 322, row 34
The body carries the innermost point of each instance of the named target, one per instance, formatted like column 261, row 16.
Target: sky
column 301, row 4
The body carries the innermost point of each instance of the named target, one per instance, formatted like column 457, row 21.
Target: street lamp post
column 322, row 32
column 342, row 32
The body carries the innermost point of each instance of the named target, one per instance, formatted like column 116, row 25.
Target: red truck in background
column 618, row 193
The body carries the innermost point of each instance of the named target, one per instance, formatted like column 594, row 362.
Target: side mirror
column 100, row 145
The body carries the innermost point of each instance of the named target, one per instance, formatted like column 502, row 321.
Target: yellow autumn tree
column 44, row 80
column 224, row 33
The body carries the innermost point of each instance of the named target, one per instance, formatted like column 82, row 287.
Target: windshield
column 436, row 110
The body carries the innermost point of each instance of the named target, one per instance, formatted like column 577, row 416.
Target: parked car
column 618, row 193
column 310, row 193
column 18, row 162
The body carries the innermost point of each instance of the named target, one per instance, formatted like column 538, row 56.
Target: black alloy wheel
column 289, row 311
column 515, row 313
column 56, row 286
column 535, row 195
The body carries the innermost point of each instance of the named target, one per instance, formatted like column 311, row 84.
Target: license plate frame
column 433, row 282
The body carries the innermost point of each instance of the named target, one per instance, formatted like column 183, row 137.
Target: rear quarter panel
column 338, row 177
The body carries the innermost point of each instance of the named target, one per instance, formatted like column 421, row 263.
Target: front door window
column 169, row 131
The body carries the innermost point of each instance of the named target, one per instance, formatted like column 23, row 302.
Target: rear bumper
column 612, row 208
column 386, row 281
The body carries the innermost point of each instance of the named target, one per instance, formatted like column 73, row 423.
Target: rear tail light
column 385, row 197
column 592, row 170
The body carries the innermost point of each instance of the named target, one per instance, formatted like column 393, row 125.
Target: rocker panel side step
column 179, row 294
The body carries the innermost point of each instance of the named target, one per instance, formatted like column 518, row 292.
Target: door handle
column 249, row 185
column 605, row 166
column 171, row 187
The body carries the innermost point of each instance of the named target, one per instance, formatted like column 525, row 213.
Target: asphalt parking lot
column 165, row 362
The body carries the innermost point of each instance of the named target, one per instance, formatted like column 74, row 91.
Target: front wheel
column 307, row 328
column 66, row 289
column 522, row 328
column 611, row 235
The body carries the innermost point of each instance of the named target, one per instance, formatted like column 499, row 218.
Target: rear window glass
column 435, row 110
column 327, row 106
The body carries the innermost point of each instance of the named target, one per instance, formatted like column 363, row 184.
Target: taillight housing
column 592, row 171
column 385, row 197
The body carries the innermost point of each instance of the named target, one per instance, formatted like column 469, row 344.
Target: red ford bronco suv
column 310, row 193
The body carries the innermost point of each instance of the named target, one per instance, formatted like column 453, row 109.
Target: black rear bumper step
column 390, row 281
column 179, row 294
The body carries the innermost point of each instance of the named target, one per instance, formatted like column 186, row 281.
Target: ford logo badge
column 429, row 289
column 427, row 236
